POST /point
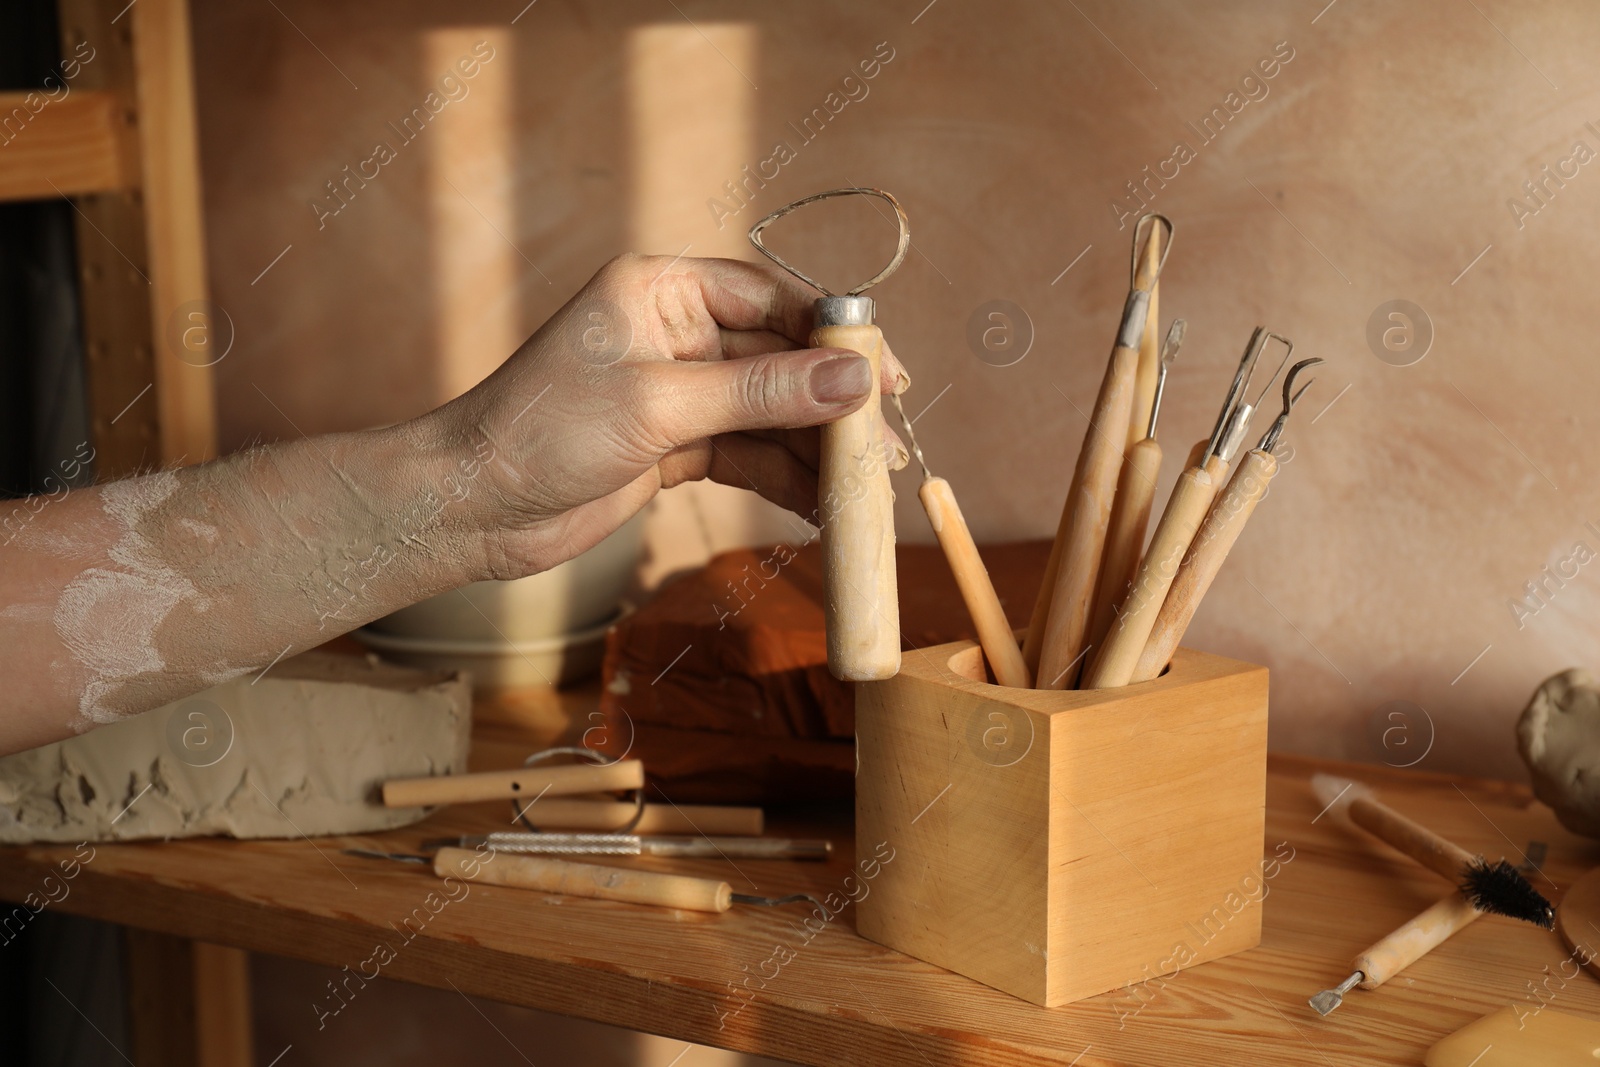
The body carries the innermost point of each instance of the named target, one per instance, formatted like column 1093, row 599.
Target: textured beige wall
column 1377, row 167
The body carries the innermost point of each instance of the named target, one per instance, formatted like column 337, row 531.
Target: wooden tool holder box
column 1056, row 845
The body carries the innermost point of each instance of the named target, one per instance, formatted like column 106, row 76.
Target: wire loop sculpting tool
column 1058, row 632
column 856, row 512
column 972, row 578
column 1216, row 537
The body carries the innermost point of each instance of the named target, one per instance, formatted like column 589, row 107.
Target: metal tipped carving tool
column 1216, row 536
column 1060, row 626
column 1136, row 493
column 1401, row 949
column 999, row 643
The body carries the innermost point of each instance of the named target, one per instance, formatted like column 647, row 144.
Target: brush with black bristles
column 1480, row 887
column 1496, row 888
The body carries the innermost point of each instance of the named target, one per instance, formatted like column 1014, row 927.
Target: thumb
column 783, row 390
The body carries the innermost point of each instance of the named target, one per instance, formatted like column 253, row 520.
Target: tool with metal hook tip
column 1239, row 420
column 1117, row 659
column 1058, row 632
column 856, row 506
column 1136, row 492
column 1217, row 535
column 590, row 880
column 999, row 643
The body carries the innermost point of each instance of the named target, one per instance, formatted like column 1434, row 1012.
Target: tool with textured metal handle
column 702, row 847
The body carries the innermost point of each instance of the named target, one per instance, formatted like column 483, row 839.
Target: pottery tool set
column 576, row 797
column 1482, row 888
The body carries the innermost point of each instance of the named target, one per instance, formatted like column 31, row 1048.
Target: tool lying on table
column 1481, row 888
column 1216, row 537
column 1136, row 492
column 860, row 600
column 1401, row 949
column 1496, row 888
column 777, row 848
column 1115, row 662
column 522, row 783
column 1061, row 616
column 1000, row 646
column 589, row 880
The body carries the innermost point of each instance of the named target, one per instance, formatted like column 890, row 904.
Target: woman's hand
column 657, row 372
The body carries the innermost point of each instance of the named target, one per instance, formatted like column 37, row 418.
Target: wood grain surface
column 838, row 999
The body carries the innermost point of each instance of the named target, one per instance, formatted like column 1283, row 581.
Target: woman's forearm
column 124, row 597
column 119, row 599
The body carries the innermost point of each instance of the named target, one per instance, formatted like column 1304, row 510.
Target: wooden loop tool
column 1060, row 625
column 860, row 596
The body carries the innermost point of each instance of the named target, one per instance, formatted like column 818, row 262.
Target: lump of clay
column 298, row 750
column 1559, row 738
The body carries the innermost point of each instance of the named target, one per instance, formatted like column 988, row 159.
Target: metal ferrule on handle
column 856, row 512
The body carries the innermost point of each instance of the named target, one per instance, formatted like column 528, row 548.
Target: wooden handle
column 1114, row 665
column 861, row 605
column 586, row 880
column 1094, row 485
column 1033, row 640
column 602, row 815
column 1414, row 940
column 527, row 782
column 1130, row 518
column 1439, row 855
column 1211, row 546
column 1216, row 466
column 977, row 591
column 1144, row 382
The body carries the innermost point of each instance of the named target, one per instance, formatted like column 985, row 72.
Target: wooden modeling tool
column 972, row 578
column 622, row 844
column 1067, row 595
column 570, row 813
column 1136, row 492
column 1216, row 537
column 1492, row 887
column 1114, row 663
column 1401, row 949
column 591, row 880
column 860, row 598
column 1147, row 378
column 523, row 783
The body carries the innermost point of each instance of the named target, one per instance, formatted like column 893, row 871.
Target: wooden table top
column 843, row 1000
